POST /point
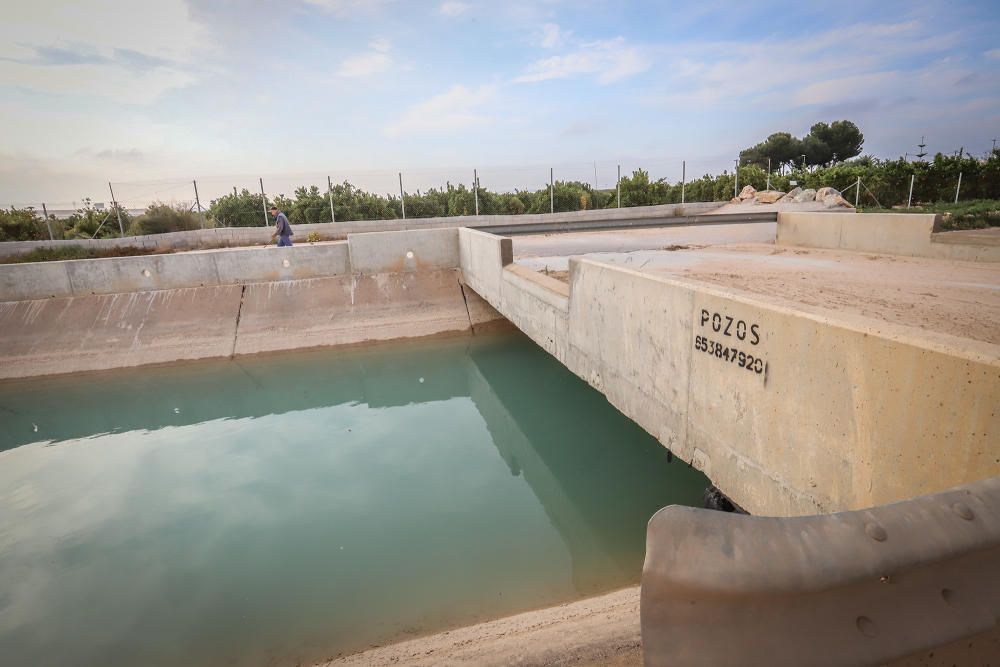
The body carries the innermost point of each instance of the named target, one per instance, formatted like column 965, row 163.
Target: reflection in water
column 287, row 508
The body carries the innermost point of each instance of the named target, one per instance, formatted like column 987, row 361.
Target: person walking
column 282, row 230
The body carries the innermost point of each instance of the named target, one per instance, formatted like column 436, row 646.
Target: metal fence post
column 736, row 183
column 402, row 198
column 857, row 192
column 198, row 202
column 263, row 198
column 684, row 165
column 45, row 212
column 329, row 191
column 475, row 188
column 552, row 193
column 958, row 187
column 909, row 199
column 618, row 187
column 114, row 203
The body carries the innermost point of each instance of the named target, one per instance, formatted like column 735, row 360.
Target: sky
column 153, row 95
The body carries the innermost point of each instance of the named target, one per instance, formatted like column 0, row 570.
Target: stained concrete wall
column 62, row 317
column 909, row 234
column 249, row 236
column 839, row 417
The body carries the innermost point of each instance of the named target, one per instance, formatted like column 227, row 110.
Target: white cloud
column 348, row 7
column 457, row 107
column 376, row 61
column 993, row 54
column 112, row 82
column 453, row 8
column 58, row 48
column 610, row 60
column 552, row 36
column 364, row 65
column 801, row 71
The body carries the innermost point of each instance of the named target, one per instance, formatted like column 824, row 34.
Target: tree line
column 885, row 183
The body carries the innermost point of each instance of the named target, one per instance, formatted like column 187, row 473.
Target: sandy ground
column 938, row 297
column 602, row 630
column 560, row 246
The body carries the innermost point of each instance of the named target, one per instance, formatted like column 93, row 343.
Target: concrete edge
column 860, row 587
column 979, row 352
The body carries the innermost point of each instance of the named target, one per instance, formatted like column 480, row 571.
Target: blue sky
column 154, row 94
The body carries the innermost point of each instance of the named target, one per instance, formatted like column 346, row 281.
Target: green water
column 285, row 509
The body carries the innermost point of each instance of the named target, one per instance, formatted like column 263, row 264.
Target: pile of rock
column 829, row 197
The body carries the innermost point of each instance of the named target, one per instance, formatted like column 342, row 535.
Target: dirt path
column 602, row 630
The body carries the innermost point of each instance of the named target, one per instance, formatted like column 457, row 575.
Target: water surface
column 284, row 509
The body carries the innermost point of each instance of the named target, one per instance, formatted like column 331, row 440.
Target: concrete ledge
column 853, row 588
column 597, row 632
column 815, row 415
column 403, row 252
column 909, row 234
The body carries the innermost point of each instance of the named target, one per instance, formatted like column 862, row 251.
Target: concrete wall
column 249, row 236
column 916, row 582
column 909, row 234
column 62, row 317
column 840, row 416
column 361, row 254
column 116, row 275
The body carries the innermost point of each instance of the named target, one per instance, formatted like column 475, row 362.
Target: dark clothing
column 283, row 230
column 281, row 225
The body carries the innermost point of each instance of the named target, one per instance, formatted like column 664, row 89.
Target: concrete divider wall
column 405, row 251
column 915, row 582
column 909, row 234
column 117, row 275
column 248, row 236
column 831, row 417
column 363, row 254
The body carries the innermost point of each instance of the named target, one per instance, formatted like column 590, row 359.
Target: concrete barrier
column 118, row 275
column 820, row 415
column 220, row 237
column 917, row 581
column 908, row 234
column 61, row 317
column 405, row 251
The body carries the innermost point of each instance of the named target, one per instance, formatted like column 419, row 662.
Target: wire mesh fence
column 153, row 206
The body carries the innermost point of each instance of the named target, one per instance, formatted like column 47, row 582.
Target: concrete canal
column 288, row 508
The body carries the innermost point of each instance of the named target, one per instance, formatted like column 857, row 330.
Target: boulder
column 836, row 201
column 768, row 196
column 823, row 193
column 735, row 200
column 747, row 192
column 792, row 194
column 806, row 195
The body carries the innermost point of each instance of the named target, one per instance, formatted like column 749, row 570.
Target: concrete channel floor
column 937, row 297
